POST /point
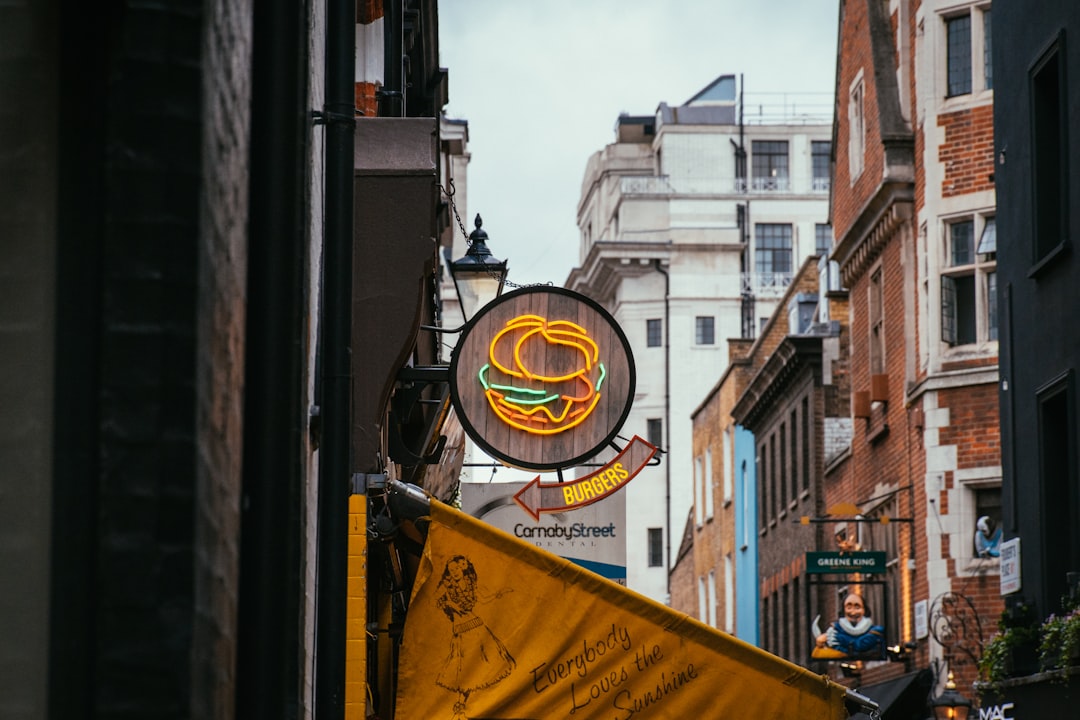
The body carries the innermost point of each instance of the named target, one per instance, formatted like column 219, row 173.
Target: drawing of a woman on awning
column 477, row 658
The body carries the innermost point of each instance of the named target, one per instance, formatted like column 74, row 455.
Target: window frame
column 820, row 230
column 761, row 471
column 784, row 471
column 654, row 431
column 820, row 165
column 729, row 594
column 727, row 468
column 711, row 593
column 770, row 168
column 747, row 510
column 982, row 271
column 794, row 458
column 699, row 492
column 1049, row 147
column 856, row 128
column 986, row 479
column 708, row 480
column 805, row 444
column 875, row 304
column 705, row 330
column 959, row 59
column 980, row 505
column 764, row 250
column 978, row 58
column 654, row 546
column 654, row 332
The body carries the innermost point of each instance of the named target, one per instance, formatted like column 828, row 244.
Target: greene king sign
column 844, row 563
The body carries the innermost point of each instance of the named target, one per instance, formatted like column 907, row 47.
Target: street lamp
column 479, row 276
column 950, row 704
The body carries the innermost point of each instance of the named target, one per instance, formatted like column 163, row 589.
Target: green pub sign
column 820, row 563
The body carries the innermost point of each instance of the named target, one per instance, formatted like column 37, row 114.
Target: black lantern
column 950, row 704
column 479, row 276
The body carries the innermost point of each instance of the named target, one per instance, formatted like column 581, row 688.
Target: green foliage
column 1057, row 640
column 1059, row 637
column 996, row 662
column 1016, row 628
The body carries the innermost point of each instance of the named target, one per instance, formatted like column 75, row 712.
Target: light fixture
column 479, row 276
column 950, row 704
column 851, row 669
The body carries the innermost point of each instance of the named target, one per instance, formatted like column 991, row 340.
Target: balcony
column 764, row 185
column 766, row 285
column 645, row 185
column 663, row 186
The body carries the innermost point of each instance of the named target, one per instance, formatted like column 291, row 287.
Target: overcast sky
column 541, row 84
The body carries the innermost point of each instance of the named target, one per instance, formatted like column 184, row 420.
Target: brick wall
column 707, row 442
column 849, row 194
column 973, row 425
column 219, row 353
column 146, row 512
column 968, row 150
column 715, row 540
column 963, row 436
column 886, row 452
column 920, row 135
column 782, row 542
column 683, row 584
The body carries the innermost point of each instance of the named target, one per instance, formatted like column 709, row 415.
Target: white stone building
column 692, row 223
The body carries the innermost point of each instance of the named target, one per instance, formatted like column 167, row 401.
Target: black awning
column 902, row 698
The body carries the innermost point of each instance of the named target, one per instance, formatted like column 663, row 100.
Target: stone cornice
column 889, row 209
column 986, row 375
column 794, row 355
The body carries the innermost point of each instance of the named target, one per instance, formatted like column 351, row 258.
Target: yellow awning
column 497, row 628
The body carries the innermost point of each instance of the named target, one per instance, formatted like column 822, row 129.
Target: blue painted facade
column 747, row 606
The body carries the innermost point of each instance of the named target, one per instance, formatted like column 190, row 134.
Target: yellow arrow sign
column 538, row 497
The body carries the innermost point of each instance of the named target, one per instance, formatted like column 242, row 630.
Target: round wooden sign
column 542, row 378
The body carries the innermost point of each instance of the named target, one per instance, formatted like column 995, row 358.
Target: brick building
column 913, row 211
column 712, row 522
column 796, row 397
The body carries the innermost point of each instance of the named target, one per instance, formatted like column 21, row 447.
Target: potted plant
column 1011, row 652
column 1059, row 637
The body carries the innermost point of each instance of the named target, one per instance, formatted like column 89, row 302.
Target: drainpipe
column 392, row 94
column 269, row 640
column 336, row 382
column 667, row 418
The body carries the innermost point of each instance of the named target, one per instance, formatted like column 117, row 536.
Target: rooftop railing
column 788, row 108
column 666, row 185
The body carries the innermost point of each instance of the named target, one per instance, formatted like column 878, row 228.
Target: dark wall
column 1038, row 196
column 128, row 216
column 29, row 91
column 162, row 324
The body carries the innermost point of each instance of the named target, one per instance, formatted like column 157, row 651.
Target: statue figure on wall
column 987, row 538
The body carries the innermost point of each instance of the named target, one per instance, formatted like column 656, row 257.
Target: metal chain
column 453, row 206
column 468, row 240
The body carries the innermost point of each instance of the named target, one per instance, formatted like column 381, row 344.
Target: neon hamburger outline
column 528, row 409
